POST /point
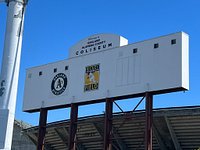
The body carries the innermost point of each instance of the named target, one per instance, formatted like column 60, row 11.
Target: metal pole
column 108, row 125
column 42, row 129
column 73, row 126
column 10, row 70
column 149, row 121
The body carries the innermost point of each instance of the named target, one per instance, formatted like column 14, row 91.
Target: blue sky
column 52, row 27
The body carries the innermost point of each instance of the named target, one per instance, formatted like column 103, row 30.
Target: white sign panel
column 158, row 65
column 96, row 43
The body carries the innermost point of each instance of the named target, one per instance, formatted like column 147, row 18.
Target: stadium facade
column 21, row 141
column 176, row 128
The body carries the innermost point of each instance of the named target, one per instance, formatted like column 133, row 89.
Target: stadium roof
column 22, row 124
column 173, row 128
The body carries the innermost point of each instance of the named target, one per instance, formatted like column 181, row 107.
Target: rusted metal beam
column 149, row 121
column 138, row 104
column 42, row 129
column 118, row 106
column 73, row 126
column 108, row 125
column 130, row 113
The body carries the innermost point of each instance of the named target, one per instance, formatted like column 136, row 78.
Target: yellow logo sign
column 91, row 78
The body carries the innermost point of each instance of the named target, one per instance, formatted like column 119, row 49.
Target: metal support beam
column 118, row 106
column 61, row 136
column 138, row 104
column 125, row 119
column 108, row 125
column 42, row 129
column 73, row 126
column 119, row 141
column 149, row 121
column 173, row 135
column 79, row 146
column 159, row 138
column 33, row 138
column 100, row 129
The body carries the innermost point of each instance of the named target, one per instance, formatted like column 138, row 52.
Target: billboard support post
column 42, row 129
column 108, row 125
column 73, row 126
column 149, row 121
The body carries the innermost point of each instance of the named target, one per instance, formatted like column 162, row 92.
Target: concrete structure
column 173, row 129
column 20, row 140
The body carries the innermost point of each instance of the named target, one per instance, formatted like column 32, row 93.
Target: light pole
column 10, row 69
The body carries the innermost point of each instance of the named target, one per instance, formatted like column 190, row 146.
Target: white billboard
column 158, row 65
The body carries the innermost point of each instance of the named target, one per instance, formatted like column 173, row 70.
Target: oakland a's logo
column 59, row 84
